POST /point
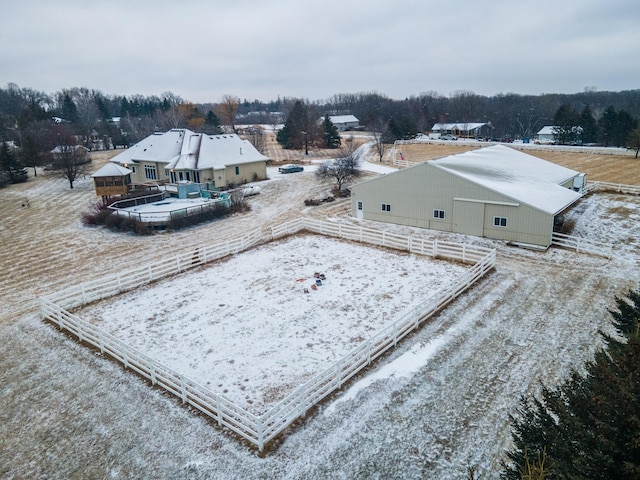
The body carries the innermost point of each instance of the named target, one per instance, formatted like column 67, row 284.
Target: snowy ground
column 245, row 328
column 433, row 406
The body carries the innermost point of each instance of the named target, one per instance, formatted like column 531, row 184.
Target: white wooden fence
column 613, row 187
column 582, row 245
column 259, row 430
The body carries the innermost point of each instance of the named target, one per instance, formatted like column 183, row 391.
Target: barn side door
column 359, row 209
column 468, row 217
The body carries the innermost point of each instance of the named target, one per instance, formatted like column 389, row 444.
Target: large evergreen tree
column 300, row 129
column 566, row 122
column 589, row 132
column 607, row 125
column 10, row 169
column 331, row 135
column 588, row 428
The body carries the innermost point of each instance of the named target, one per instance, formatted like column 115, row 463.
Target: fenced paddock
column 260, row 430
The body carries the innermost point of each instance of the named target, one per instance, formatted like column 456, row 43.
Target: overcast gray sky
column 254, row 49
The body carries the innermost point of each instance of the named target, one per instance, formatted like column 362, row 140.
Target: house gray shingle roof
column 182, row 149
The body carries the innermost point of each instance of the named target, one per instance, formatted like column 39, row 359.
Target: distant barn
column 495, row 192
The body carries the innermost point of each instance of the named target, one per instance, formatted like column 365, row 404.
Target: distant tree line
column 33, row 121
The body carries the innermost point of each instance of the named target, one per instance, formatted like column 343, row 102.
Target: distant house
column 344, row 122
column 62, row 154
column 494, row 192
column 460, row 129
column 546, row 134
column 554, row 134
column 180, row 156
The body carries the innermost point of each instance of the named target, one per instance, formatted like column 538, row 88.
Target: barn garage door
column 468, row 217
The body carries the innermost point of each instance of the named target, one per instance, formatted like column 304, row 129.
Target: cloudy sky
column 255, row 49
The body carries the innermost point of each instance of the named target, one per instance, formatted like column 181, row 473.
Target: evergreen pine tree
column 69, row 109
column 331, row 135
column 589, row 133
column 293, row 135
column 607, row 126
column 212, row 123
column 11, row 171
column 566, row 122
column 590, row 426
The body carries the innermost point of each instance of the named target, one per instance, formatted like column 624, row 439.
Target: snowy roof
column 343, row 119
column 68, row 148
column 515, row 174
column 547, row 130
column 182, row 149
column 111, row 170
column 457, row 126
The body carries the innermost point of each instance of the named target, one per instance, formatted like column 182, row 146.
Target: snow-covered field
column 436, row 404
column 244, row 327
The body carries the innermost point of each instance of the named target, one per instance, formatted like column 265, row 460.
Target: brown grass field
column 601, row 167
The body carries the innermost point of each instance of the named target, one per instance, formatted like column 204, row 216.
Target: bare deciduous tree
column 227, row 110
column 255, row 134
column 378, row 129
column 70, row 159
column 342, row 170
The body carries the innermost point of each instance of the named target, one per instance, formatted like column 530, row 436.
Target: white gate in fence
column 259, row 430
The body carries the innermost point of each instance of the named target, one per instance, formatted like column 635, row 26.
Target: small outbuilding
column 495, row 192
column 344, row 122
column 111, row 180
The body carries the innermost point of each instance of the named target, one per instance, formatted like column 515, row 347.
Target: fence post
column 260, row 432
column 435, row 248
column 152, row 372
column 303, row 394
column 183, row 391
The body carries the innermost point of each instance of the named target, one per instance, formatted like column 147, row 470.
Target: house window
column 500, row 221
column 438, row 214
column 386, row 207
column 359, row 205
column 150, row 172
column 132, row 168
column 237, row 170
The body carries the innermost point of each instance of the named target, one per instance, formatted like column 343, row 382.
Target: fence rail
column 613, row 187
column 259, row 430
column 582, row 245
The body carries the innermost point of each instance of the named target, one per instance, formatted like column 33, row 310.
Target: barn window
column 359, row 205
column 386, row 207
column 237, row 170
column 500, row 221
column 150, row 172
column 438, row 214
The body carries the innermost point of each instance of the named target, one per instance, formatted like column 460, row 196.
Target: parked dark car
column 290, row 169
